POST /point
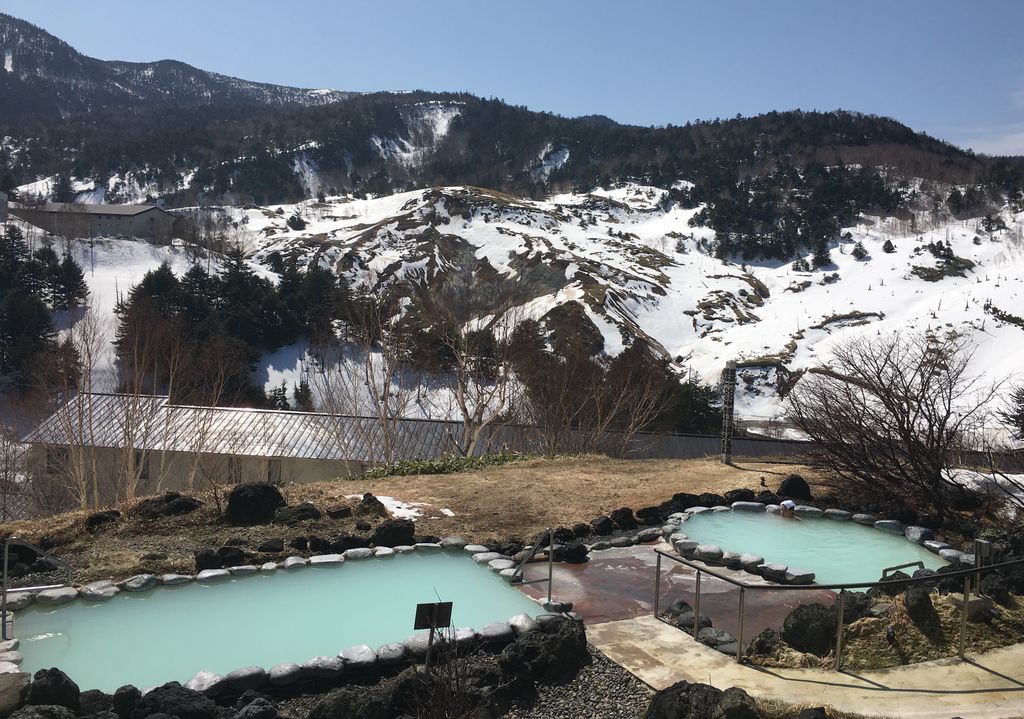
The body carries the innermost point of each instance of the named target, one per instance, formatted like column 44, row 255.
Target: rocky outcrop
column 54, row 688
column 795, row 487
column 370, row 506
column 920, row 609
column 362, row 702
column 175, row 700
column 299, row 513
column 255, row 503
column 810, row 628
column 168, row 504
column 602, row 526
column 684, row 700
column 100, row 519
column 394, row 533
column 547, row 657
column 623, row 518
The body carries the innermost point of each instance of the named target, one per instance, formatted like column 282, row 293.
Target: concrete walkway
column 989, row 686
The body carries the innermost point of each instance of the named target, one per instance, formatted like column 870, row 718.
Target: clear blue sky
column 952, row 69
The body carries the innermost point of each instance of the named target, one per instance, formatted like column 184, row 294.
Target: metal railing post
column 657, row 586
column 551, row 560
column 840, row 610
column 696, row 607
column 739, row 631
column 3, row 602
column 971, row 577
column 963, row 615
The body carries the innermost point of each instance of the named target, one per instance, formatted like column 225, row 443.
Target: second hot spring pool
column 836, row 551
column 172, row 632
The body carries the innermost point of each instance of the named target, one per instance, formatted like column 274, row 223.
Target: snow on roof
column 90, row 209
column 153, row 423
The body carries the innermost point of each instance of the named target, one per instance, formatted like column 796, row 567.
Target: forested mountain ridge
column 45, row 78
column 761, row 239
column 167, row 131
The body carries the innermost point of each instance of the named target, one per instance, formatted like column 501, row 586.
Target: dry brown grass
column 865, row 645
column 776, row 709
column 518, row 499
column 525, row 497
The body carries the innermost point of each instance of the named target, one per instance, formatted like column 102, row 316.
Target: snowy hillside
column 631, row 261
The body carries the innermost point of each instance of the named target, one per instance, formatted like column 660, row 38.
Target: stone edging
column 780, row 573
column 361, row 657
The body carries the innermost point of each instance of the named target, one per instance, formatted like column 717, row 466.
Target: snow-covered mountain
column 43, row 75
column 629, row 261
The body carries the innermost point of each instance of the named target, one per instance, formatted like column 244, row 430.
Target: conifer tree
column 71, row 289
column 822, row 257
column 278, row 397
column 303, row 396
column 62, row 191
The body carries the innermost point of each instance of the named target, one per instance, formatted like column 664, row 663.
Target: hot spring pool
column 172, row 632
column 836, row 551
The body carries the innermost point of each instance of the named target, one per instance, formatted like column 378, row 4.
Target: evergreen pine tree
column 888, row 247
column 859, row 251
column 71, row 289
column 822, row 257
column 278, row 397
column 62, row 191
column 303, row 396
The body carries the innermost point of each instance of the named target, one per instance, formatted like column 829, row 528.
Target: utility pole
column 728, row 398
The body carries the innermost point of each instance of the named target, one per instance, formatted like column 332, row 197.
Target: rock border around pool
column 363, row 661
column 321, row 667
column 360, row 659
column 754, row 564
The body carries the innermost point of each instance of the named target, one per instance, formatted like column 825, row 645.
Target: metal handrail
column 5, row 590
column 919, row 564
column 840, row 588
column 517, row 576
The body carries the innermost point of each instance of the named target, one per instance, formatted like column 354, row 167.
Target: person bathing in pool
column 787, row 507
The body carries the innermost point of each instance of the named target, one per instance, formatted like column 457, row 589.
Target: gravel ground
column 603, row 690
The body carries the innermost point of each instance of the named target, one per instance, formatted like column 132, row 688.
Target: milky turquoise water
column 836, row 551
column 170, row 633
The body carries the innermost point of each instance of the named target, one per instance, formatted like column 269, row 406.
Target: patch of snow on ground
column 1007, row 487
column 549, row 160
column 308, row 173
column 407, row 510
column 427, row 123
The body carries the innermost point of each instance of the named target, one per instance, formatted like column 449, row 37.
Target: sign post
column 432, row 616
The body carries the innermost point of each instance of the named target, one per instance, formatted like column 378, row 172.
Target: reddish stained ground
column 619, row 584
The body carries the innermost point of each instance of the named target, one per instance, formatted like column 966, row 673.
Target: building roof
column 91, row 209
column 153, row 423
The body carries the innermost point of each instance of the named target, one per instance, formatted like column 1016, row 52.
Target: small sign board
column 436, row 615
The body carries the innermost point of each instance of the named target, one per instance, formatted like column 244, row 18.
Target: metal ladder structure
column 5, row 632
column 517, row 576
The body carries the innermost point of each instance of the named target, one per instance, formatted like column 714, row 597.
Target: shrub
column 443, row 465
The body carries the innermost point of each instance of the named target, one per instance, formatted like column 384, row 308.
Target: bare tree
column 475, row 322
column 73, row 462
column 70, row 224
column 13, row 475
column 367, row 388
column 889, row 413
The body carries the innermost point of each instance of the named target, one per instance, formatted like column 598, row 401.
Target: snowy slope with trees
column 632, row 265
